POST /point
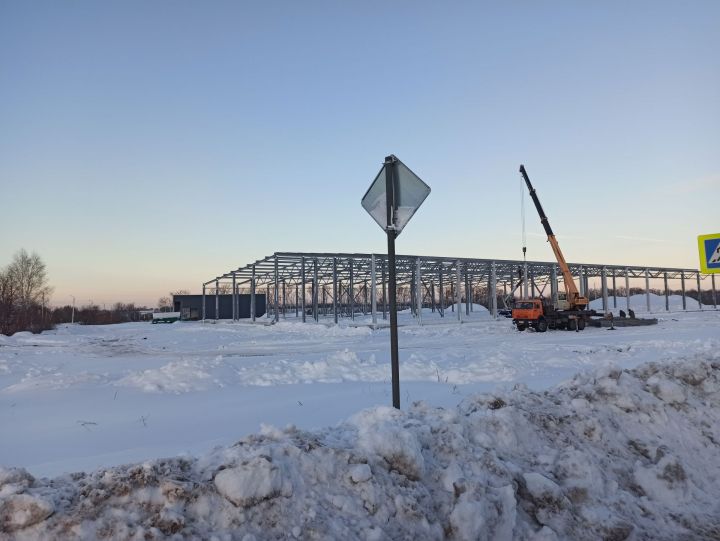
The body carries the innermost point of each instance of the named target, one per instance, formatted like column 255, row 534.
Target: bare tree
column 24, row 292
column 7, row 302
column 180, row 292
column 29, row 276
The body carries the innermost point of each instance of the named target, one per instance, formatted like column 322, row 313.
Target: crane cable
column 522, row 217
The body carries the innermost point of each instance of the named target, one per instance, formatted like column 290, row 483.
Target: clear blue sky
column 148, row 146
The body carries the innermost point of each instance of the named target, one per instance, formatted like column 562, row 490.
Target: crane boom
column 573, row 295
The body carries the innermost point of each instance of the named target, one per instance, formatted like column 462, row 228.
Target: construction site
column 536, row 294
column 314, row 286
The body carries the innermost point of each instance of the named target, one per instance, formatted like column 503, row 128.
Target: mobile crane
column 569, row 313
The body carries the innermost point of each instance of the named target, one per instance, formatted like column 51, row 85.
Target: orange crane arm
column 573, row 295
column 572, row 292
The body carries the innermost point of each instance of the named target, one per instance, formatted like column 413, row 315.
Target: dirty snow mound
column 613, row 454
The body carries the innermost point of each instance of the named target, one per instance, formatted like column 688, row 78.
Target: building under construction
column 312, row 286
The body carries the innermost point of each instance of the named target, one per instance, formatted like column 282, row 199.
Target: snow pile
column 174, row 377
column 610, row 454
column 638, row 302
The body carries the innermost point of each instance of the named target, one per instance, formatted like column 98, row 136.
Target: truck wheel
column 520, row 327
column 572, row 324
column 581, row 324
column 542, row 325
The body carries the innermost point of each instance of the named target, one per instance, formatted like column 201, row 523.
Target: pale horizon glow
column 148, row 147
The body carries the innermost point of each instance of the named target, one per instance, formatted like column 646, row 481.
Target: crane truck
column 541, row 314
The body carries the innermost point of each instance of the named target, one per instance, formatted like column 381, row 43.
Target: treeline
column 92, row 314
column 25, row 296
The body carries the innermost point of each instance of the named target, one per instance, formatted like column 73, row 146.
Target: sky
column 151, row 146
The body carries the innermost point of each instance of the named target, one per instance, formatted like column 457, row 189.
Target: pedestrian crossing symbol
column 709, row 247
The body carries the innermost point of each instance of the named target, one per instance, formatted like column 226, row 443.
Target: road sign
column 709, row 248
column 392, row 199
column 409, row 192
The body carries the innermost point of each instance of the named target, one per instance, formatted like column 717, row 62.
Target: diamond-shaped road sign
column 409, row 191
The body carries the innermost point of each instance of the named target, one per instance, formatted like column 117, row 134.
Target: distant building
column 191, row 306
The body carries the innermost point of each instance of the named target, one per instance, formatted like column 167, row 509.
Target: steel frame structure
column 343, row 284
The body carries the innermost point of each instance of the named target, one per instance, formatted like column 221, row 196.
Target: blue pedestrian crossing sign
column 709, row 247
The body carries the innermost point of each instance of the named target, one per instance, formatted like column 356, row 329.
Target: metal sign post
column 392, row 199
column 392, row 280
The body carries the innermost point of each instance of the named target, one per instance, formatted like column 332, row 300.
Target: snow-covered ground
column 639, row 303
column 80, row 398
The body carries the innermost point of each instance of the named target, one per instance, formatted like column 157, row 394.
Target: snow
column 250, row 483
column 84, row 397
column 487, row 444
column 638, row 303
column 620, row 462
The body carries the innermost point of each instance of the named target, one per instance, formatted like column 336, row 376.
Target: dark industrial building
column 191, row 306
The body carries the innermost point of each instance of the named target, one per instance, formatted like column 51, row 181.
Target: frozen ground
column 80, row 398
column 639, row 303
column 612, row 454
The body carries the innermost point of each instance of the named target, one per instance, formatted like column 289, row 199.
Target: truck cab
column 528, row 312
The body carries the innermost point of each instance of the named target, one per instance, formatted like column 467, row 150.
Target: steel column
column 603, row 280
column 614, row 290
column 203, row 303
column 441, row 300
column 268, row 298
column 682, row 284
column 418, row 290
column 252, row 296
column 284, row 300
column 384, row 290
column 373, row 290
column 277, row 292
column 468, row 293
column 432, row 296
column 316, row 291
column 493, row 290
column 457, row 291
column 365, row 298
column 217, row 300
column 352, row 292
column 647, row 289
column 699, row 291
column 236, row 315
column 554, row 294
column 302, row 279
column 627, row 288
column 714, row 291
column 667, row 293
column 335, row 290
